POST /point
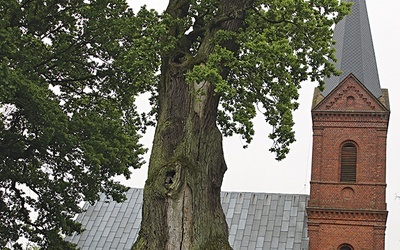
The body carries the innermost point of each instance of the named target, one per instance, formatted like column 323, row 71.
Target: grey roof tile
column 245, row 240
column 255, row 221
column 282, row 246
column 252, row 245
column 290, row 243
column 107, row 245
column 288, row 205
column 275, row 242
column 97, row 237
column 355, row 50
column 101, row 243
column 264, row 220
column 247, row 230
column 285, row 226
column 242, row 224
column 257, row 214
column 231, row 238
column 244, row 213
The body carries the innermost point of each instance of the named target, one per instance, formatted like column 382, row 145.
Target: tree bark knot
column 173, row 177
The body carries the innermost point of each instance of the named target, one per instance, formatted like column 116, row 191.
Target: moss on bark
column 181, row 207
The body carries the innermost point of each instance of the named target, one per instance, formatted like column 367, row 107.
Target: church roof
column 255, row 221
column 355, row 50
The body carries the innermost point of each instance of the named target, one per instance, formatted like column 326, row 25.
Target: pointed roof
column 355, row 50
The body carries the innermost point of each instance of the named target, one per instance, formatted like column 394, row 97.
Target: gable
column 255, row 221
column 350, row 95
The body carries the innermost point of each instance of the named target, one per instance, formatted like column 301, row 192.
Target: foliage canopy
column 70, row 71
column 68, row 123
column 259, row 66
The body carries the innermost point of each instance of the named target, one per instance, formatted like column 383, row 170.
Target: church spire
column 355, row 50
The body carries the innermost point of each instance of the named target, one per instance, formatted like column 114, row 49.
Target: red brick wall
column 352, row 213
column 331, row 236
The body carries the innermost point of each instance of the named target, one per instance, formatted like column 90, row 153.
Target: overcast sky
column 255, row 170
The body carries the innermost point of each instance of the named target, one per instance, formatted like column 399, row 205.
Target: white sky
column 255, row 170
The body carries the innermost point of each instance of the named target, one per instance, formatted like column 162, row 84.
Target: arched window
column 348, row 160
column 346, row 247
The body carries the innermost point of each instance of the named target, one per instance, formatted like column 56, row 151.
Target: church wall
column 331, row 236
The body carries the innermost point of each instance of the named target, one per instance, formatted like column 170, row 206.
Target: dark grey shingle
column 355, row 50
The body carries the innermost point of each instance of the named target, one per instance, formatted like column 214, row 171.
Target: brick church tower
column 347, row 206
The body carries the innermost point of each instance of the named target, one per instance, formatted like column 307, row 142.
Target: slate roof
column 355, row 50
column 255, row 221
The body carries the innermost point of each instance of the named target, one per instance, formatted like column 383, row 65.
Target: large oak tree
column 69, row 74
column 221, row 60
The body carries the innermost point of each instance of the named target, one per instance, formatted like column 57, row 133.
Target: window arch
column 348, row 162
column 345, row 247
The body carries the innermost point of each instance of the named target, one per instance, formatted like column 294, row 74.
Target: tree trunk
column 181, row 206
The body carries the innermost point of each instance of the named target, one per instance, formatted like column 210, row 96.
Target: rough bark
column 181, row 206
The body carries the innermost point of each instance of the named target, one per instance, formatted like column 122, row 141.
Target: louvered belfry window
column 348, row 163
